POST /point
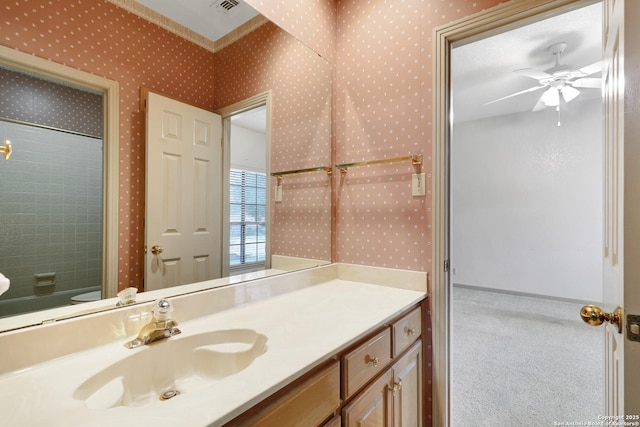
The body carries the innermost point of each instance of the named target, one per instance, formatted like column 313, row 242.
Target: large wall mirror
column 297, row 127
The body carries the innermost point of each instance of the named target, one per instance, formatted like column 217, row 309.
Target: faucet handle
column 162, row 308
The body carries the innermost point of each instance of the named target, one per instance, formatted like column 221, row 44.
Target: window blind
column 248, row 200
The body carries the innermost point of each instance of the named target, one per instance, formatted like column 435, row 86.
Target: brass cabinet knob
column 373, row 360
column 156, row 249
column 397, row 387
column 595, row 316
column 410, row 331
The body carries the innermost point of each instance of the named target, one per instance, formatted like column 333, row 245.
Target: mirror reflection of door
column 248, row 191
column 183, row 192
column 51, row 214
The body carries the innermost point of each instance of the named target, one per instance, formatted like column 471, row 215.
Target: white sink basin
column 168, row 368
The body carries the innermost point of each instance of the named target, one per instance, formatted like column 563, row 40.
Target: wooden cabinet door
column 372, row 408
column 407, row 388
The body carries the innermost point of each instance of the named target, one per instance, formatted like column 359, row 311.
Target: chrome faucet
column 159, row 328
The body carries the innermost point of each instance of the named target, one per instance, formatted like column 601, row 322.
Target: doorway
column 526, row 224
column 248, row 191
column 447, row 252
column 246, row 168
column 81, row 222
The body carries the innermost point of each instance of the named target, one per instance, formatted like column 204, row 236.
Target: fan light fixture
column 561, row 81
column 551, row 97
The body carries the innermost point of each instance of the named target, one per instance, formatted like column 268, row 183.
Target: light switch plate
column 277, row 194
column 418, row 184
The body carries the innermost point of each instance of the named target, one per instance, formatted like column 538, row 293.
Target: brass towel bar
column 415, row 160
column 279, row 175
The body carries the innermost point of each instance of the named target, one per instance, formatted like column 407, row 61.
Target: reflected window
column 248, row 200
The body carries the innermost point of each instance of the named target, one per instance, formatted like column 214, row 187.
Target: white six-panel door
column 183, row 193
column 621, row 250
column 613, row 272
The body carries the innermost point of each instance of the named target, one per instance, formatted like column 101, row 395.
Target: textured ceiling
column 483, row 71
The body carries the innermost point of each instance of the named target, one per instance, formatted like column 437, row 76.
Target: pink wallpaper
column 382, row 102
column 29, row 99
column 313, row 22
column 300, row 84
column 383, row 110
column 98, row 37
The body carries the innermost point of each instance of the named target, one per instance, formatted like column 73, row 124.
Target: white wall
column 527, row 203
column 248, row 149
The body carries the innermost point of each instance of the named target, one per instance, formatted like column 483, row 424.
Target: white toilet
column 86, row 297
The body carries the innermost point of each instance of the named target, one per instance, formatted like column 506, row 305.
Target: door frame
column 109, row 89
column 259, row 100
column 467, row 30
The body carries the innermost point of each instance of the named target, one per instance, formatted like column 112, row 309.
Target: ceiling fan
column 560, row 80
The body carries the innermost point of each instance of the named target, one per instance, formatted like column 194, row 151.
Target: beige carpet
column 522, row 361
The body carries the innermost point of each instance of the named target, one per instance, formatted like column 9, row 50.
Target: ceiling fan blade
column 531, row 89
column 590, row 69
column 569, row 93
column 590, row 82
column 533, row 73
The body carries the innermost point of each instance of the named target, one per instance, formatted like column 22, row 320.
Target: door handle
column 156, row 249
column 595, row 316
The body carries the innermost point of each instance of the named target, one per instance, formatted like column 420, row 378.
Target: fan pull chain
column 558, row 110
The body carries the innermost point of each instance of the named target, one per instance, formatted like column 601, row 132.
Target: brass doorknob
column 595, row 316
column 156, row 249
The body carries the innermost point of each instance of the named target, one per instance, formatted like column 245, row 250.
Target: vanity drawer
column 406, row 330
column 365, row 361
column 309, row 404
column 334, row 422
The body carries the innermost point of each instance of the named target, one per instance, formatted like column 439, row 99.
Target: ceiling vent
column 225, row 6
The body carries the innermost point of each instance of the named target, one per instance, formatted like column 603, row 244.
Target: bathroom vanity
column 332, row 345
column 390, row 360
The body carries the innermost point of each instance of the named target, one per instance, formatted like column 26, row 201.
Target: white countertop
column 304, row 327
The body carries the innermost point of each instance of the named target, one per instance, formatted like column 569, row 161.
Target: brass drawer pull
column 397, row 387
column 410, row 331
column 373, row 360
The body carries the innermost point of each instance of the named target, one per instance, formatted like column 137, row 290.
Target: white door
column 183, row 194
column 622, row 204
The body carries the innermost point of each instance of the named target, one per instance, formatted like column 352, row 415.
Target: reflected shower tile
column 25, row 219
column 57, row 220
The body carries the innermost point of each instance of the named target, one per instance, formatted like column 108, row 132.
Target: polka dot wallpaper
column 98, row 37
column 383, row 109
column 300, row 84
column 383, row 98
column 311, row 21
column 382, row 52
column 32, row 100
